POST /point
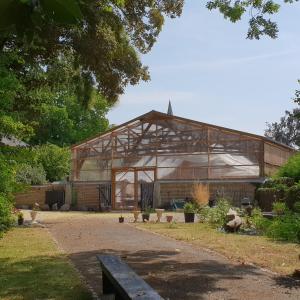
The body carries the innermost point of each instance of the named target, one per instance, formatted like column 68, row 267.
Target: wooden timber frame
column 176, row 149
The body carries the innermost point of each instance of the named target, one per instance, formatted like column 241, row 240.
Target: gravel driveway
column 173, row 268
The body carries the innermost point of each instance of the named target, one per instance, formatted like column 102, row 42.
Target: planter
column 145, row 217
column 33, row 214
column 20, row 221
column 159, row 213
column 189, row 217
column 121, row 219
column 136, row 215
column 169, row 219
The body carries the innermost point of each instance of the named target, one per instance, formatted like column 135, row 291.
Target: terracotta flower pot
column 169, row 219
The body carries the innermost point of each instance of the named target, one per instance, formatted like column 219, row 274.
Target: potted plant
column 34, row 212
column 146, row 214
column 121, row 219
column 20, row 218
column 189, row 212
column 169, row 218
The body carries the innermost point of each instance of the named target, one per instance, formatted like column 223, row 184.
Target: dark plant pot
column 169, row 219
column 121, row 219
column 145, row 217
column 189, row 217
column 20, row 221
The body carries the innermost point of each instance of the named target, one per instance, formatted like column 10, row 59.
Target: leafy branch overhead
column 260, row 23
column 103, row 36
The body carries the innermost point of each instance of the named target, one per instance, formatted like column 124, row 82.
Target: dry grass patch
column 279, row 257
column 31, row 267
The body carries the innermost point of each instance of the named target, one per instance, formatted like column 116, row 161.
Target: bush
column 291, row 168
column 260, row 223
column 297, row 207
column 31, row 175
column 292, row 196
column 279, row 208
column 285, row 228
column 6, row 218
column 216, row 216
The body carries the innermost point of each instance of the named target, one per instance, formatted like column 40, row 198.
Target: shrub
column 260, row 223
column 291, row 168
column 285, row 228
column 297, row 207
column 6, row 218
column 279, row 208
column 30, row 175
column 216, row 216
column 292, row 196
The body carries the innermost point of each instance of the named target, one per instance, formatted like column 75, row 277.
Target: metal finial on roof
column 170, row 110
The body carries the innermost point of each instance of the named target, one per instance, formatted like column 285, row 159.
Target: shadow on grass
column 171, row 278
column 41, row 277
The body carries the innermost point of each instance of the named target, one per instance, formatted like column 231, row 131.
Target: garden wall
column 235, row 191
column 36, row 194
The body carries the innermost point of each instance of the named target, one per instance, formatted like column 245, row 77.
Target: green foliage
column 259, row 11
column 6, row 218
column 297, row 207
column 216, row 216
column 291, row 168
column 55, row 161
column 285, row 228
column 279, row 207
column 292, row 196
column 31, row 175
column 260, row 223
column 189, row 207
column 287, row 130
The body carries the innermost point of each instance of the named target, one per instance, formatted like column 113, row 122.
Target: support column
column 156, row 195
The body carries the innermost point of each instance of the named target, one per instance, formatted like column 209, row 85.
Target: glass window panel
column 183, row 161
column 236, row 171
column 232, row 159
column 95, row 175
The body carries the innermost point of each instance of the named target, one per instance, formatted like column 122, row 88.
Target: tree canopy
column 260, row 23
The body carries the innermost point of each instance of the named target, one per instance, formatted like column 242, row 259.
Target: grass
column 279, row 257
column 31, row 267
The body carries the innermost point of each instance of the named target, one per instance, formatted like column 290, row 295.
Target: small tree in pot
column 189, row 210
column 146, row 213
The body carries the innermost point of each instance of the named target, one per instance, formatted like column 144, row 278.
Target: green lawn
column 31, row 267
column 279, row 257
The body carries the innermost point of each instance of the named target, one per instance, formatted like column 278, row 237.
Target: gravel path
column 173, row 268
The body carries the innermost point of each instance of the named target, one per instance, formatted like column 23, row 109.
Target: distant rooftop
column 12, row 142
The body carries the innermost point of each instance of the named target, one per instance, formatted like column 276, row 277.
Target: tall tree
column 287, row 130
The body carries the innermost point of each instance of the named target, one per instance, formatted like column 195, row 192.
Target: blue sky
column 213, row 74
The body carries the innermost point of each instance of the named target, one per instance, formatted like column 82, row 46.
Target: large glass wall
column 176, row 148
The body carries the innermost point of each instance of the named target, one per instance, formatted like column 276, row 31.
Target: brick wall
column 234, row 191
column 36, row 194
column 85, row 196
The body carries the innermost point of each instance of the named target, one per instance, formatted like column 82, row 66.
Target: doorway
column 133, row 188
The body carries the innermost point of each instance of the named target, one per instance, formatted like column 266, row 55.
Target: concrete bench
column 122, row 282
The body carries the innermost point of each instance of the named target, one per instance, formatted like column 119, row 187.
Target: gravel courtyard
column 175, row 269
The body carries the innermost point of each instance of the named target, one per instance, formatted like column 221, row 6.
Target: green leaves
column 259, row 24
column 27, row 15
column 62, row 11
